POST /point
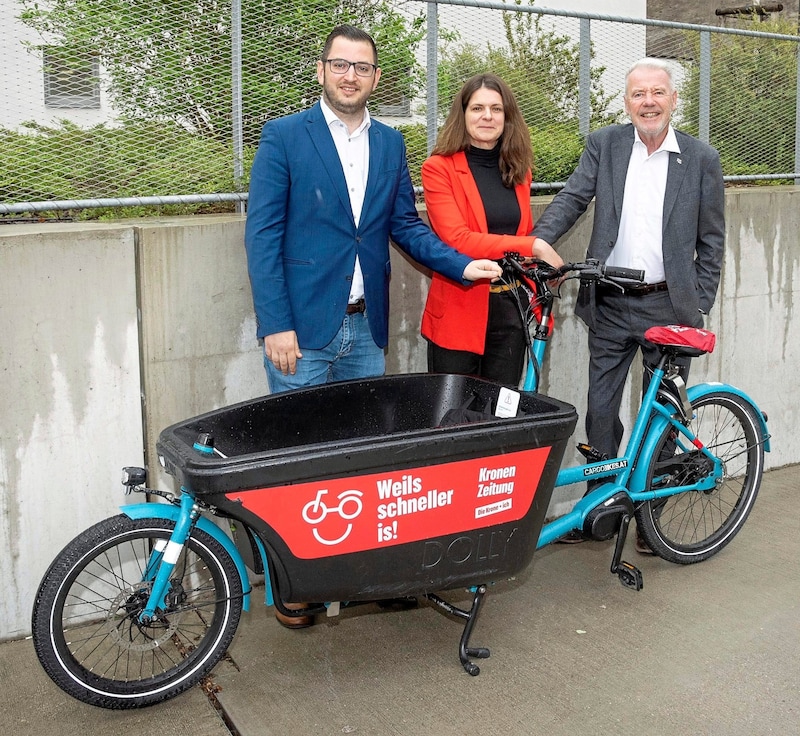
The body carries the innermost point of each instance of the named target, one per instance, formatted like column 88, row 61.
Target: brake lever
column 609, row 282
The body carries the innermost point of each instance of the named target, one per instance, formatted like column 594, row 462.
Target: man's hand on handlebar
column 542, row 271
column 483, row 268
column 283, row 351
column 545, row 252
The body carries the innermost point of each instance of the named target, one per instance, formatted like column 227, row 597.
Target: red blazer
column 455, row 316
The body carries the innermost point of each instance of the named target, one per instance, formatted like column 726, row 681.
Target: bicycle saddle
column 682, row 340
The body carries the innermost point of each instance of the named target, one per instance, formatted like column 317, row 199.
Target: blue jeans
column 351, row 354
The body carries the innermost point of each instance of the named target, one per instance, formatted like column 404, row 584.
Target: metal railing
column 739, row 90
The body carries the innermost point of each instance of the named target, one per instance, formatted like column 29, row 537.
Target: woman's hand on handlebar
column 483, row 268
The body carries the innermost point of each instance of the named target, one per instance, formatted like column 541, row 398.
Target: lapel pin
column 679, row 160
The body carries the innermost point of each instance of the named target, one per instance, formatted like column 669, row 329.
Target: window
column 398, row 109
column 71, row 78
column 391, row 98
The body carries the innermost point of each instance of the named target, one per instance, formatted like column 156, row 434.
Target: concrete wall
column 70, row 407
column 111, row 332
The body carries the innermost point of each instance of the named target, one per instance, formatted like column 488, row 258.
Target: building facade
column 666, row 43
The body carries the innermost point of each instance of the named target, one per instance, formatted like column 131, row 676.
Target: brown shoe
column 294, row 622
column 641, row 546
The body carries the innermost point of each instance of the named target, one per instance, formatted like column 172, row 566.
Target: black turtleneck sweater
column 499, row 202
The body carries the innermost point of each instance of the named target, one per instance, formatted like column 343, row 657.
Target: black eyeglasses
column 342, row 66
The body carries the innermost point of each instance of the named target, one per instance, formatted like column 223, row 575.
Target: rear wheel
column 86, row 627
column 692, row 526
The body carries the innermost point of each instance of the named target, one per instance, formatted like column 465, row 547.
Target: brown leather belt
column 356, row 307
column 502, row 288
column 634, row 290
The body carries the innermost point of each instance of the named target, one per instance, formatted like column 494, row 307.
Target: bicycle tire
column 85, row 625
column 692, row 526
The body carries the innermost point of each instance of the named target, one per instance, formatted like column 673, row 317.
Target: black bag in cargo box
column 358, row 492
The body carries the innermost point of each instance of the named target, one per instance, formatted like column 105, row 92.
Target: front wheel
column 87, row 630
column 692, row 526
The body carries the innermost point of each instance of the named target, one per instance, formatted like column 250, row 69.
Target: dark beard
column 346, row 108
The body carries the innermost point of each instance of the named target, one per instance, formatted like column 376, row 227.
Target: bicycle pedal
column 630, row 575
column 589, row 452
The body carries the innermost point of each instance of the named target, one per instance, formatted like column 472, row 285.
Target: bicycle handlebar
column 541, row 271
column 627, row 274
column 545, row 281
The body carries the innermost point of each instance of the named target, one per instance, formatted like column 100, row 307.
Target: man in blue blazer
column 329, row 188
column 659, row 206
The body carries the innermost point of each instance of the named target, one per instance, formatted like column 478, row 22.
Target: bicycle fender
column 168, row 511
column 701, row 389
column 657, row 427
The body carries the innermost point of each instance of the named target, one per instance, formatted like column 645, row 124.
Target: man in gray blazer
column 659, row 206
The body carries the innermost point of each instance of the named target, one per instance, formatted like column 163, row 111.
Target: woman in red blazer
column 477, row 194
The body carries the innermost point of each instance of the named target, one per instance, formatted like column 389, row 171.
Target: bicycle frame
column 628, row 470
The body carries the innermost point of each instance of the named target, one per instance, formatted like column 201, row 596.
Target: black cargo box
column 359, row 490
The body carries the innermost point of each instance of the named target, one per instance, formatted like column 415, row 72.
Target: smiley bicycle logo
column 315, row 512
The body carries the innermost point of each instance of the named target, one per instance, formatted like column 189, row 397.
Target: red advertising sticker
column 357, row 513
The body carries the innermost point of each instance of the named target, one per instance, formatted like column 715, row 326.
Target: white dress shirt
column 353, row 150
column 639, row 241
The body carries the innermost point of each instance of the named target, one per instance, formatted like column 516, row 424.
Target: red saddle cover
column 680, row 335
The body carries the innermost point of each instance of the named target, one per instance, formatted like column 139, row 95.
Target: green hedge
column 69, row 162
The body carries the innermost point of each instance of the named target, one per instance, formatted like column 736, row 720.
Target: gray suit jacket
column 694, row 213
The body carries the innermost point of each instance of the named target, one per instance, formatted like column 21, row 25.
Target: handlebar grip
column 616, row 272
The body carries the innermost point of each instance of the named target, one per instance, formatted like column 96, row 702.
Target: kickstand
column 464, row 650
column 629, row 575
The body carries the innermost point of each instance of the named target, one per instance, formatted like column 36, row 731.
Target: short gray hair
column 651, row 63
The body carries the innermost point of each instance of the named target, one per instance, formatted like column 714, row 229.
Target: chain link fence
column 116, row 108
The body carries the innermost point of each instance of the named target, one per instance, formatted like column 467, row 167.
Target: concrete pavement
column 712, row 648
